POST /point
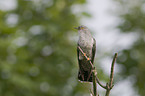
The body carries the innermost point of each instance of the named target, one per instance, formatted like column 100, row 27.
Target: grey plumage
column 88, row 44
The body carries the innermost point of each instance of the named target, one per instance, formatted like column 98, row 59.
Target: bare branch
column 94, row 82
column 103, row 86
column 109, row 85
column 112, row 70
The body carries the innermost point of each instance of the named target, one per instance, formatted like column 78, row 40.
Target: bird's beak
column 76, row 28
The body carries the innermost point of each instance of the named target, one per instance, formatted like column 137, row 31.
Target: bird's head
column 81, row 27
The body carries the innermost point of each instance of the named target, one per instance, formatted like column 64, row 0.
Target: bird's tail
column 85, row 76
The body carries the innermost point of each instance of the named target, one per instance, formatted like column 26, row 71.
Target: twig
column 94, row 82
column 85, row 56
column 109, row 85
column 103, row 86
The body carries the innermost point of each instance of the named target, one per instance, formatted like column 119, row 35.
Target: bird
column 88, row 45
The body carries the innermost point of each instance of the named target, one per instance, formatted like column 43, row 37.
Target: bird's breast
column 86, row 44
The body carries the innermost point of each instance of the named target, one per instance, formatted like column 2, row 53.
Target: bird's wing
column 78, row 51
column 93, row 50
column 80, row 63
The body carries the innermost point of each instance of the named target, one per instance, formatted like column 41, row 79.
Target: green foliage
column 134, row 59
column 37, row 58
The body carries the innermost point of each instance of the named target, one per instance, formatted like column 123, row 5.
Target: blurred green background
column 37, row 55
column 38, row 48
